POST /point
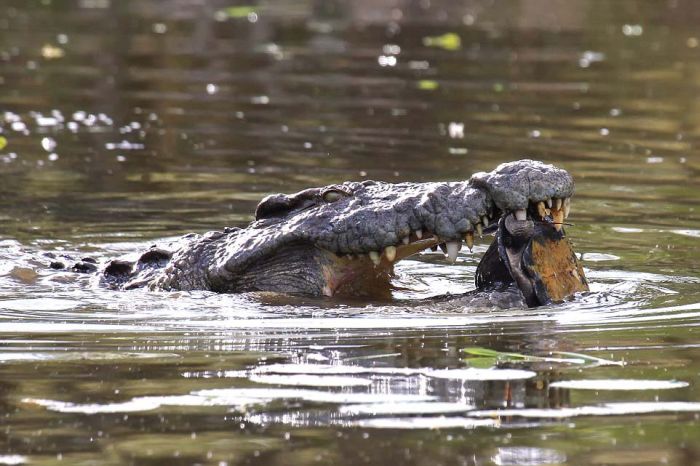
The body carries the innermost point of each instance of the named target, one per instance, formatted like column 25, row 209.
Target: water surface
column 124, row 123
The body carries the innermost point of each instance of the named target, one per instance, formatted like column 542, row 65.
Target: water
column 128, row 122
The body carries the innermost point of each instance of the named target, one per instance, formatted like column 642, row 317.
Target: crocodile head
column 536, row 257
column 342, row 240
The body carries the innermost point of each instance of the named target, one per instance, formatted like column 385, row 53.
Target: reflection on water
column 126, row 122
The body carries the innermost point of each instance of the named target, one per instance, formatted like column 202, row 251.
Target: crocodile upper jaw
column 538, row 259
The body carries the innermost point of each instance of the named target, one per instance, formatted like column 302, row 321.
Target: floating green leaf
column 3, row 142
column 484, row 357
column 447, row 41
column 483, row 363
column 591, row 359
column 489, row 353
column 428, row 85
column 236, row 11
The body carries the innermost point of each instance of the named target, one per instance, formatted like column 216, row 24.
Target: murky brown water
column 122, row 122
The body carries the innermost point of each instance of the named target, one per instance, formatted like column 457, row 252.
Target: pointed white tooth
column 390, row 253
column 374, row 255
column 419, row 234
column 557, row 219
column 485, row 220
column 479, row 229
column 521, row 214
column 453, row 248
column 405, row 240
column 469, row 238
column 541, row 209
column 557, row 204
column 549, row 203
column 567, row 207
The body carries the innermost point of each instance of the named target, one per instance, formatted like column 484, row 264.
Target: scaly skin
column 343, row 239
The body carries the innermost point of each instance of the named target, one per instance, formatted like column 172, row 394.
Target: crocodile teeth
column 549, row 203
column 479, row 229
column 558, row 219
column 469, row 239
column 521, row 215
column 567, row 207
column 557, row 204
column 405, row 240
column 485, row 219
column 541, row 209
column 453, row 248
column 390, row 253
column 419, row 234
column 374, row 255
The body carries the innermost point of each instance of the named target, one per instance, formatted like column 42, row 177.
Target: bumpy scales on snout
column 343, row 239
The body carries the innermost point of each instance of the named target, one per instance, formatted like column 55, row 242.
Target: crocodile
column 343, row 240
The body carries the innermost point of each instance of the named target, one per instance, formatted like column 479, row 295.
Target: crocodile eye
column 334, row 194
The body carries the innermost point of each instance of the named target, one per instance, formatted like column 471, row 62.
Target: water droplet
column 632, row 30
column 46, row 121
column 391, row 49
column 160, row 28
column 49, row 144
column 455, row 130
column 18, row 126
column 387, row 60
column 51, row 52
